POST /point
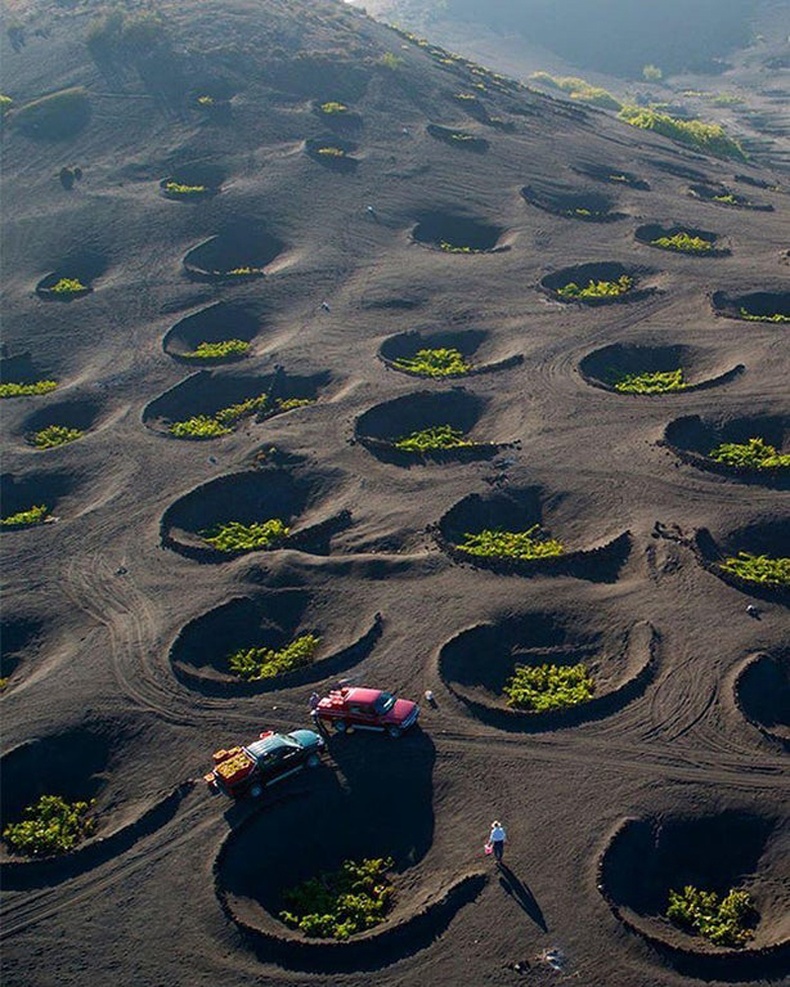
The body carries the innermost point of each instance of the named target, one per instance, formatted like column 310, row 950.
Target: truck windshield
column 385, row 702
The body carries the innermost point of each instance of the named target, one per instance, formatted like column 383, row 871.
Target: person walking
column 497, row 839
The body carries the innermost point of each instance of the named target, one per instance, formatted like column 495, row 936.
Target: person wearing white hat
column 497, row 839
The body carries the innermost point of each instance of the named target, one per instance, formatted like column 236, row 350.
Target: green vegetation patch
column 51, row 825
column 455, row 248
column 339, row 904
column 433, row 438
column 500, row 544
column 67, row 286
column 54, row 117
column 255, row 664
column 755, row 453
column 540, row 688
column 726, row 921
column 55, row 435
column 683, row 243
column 12, row 390
column 708, row 137
column 333, row 108
column 218, row 351
column 234, row 536
column 658, row 382
column 775, row 317
column 331, row 152
column 579, row 89
column 597, row 289
column 224, row 420
column 762, row 569
column 177, row 188
column 5, row 104
column 26, row 519
column 441, row 362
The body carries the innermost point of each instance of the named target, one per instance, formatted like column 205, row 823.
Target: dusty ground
column 106, row 608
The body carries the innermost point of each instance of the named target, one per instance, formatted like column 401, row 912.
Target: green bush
column 54, row 117
column 389, row 60
column 67, row 286
column 724, row 921
column 597, row 289
column 333, row 108
column 452, row 248
column 498, row 543
column 234, row 536
column 339, row 904
column 539, row 688
column 51, row 825
column 5, row 104
column 579, row 89
column 33, row 516
column 652, row 73
column 763, row 569
column 331, row 152
column 198, row 427
column 441, row 362
column 659, row 382
column 755, row 453
column 683, row 243
column 708, row 137
column 177, row 188
column 241, row 272
column 255, row 664
column 751, row 317
column 433, row 438
column 218, row 351
column 55, row 435
column 10, row 390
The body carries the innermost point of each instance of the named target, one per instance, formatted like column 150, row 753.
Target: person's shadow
column 522, row 895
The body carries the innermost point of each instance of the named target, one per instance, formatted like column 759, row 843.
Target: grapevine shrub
column 224, row 420
column 763, row 569
column 443, row 362
column 597, row 289
column 726, row 921
column 255, row 664
column 433, row 438
column 11, row 390
column 339, row 904
column 218, row 351
column 683, row 243
column 755, row 453
column 51, row 825
column 660, row 382
column 55, row 435
column 775, row 317
column 540, row 688
column 233, row 536
column 497, row 543
column 35, row 515
column 68, row 286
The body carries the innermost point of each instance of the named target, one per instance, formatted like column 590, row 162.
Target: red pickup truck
column 353, row 708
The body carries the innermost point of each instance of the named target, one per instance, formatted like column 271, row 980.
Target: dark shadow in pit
column 582, row 204
column 458, row 138
column 583, row 274
column 241, row 248
column 478, row 663
column 21, row 369
column 459, row 232
column 206, row 392
column 612, row 175
column 518, row 510
column 760, row 305
column 214, row 324
column 20, row 638
column 646, row 858
column 677, row 170
column 198, row 174
column 522, row 894
column 332, row 152
column 84, row 266
column 199, row 655
column 257, row 495
column 762, row 693
column 20, row 493
column 693, row 438
column 767, row 536
column 80, row 413
column 720, row 195
column 702, row 368
column 387, row 811
column 381, row 426
column 472, row 344
column 650, row 232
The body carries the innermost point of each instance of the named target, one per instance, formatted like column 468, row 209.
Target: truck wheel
column 313, row 760
column 394, row 732
column 256, row 791
column 341, row 726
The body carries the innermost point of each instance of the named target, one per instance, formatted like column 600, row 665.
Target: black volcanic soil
column 104, row 700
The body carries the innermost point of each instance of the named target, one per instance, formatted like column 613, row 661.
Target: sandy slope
column 94, row 602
